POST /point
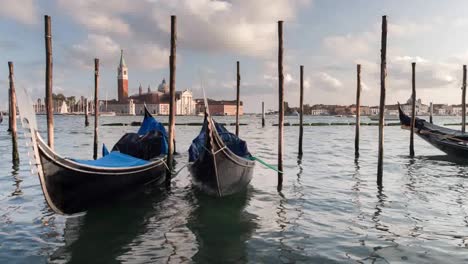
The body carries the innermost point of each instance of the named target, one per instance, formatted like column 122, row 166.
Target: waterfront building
column 220, row 108
column 156, row 101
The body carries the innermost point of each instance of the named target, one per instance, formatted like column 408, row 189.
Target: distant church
column 157, row 101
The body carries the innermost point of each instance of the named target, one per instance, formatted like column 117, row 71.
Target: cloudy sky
column 328, row 37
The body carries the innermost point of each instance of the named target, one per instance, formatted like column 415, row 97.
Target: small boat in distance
column 452, row 142
column 220, row 162
column 107, row 114
column 387, row 117
column 71, row 185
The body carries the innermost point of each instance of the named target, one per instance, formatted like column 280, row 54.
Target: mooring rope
column 271, row 167
column 177, row 172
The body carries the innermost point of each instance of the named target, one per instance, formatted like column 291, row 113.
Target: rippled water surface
column 330, row 209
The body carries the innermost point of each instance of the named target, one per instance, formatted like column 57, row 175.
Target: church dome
column 163, row 87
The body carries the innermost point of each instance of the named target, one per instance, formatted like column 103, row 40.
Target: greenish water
column 330, row 209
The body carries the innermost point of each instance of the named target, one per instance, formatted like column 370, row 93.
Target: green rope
column 265, row 164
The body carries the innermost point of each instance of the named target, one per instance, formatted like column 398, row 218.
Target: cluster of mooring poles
column 172, row 106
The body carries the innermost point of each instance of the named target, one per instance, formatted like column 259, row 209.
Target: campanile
column 122, row 80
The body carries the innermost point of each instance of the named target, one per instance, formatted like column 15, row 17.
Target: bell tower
column 122, row 80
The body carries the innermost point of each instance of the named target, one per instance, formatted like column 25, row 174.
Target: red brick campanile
column 122, row 80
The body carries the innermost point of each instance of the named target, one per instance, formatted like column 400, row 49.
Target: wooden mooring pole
column 431, row 112
column 383, row 76
column 172, row 109
column 14, row 137
column 9, row 110
column 358, row 111
column 464, row 99
column 263, row 114
column 237, row 99
column 280, row 105
column 413, row 107
column 301, row 109
column 96, row 108
column 48, row 82
column 86, row 110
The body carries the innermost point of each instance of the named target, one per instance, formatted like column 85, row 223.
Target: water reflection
column 17, row 180
column 103, row 234
column 221, row 227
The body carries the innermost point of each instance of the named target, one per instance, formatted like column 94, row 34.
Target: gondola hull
column 454, row 143
column 452, row 148
column 72, row 188
column 218, row 171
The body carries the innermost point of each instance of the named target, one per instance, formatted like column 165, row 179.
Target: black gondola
column 72, row 186
column 450, row 141
column 220, row 163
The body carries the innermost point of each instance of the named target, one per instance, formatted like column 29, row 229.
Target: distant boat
column 64, row 108
column 1, row 117
column 107, row 114
column 293, row 113
column 387, row 117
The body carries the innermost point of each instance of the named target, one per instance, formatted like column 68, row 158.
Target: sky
column 328, row 37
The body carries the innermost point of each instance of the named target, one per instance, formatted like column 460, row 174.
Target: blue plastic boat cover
column 150, row 123
column 114, row 159
column 235, row 144
column 105, row 151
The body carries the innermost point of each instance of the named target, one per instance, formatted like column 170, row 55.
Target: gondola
column 219, row 161
column 452, row 142
column 72, row 186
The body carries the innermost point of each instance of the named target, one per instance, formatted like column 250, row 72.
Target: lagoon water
column 330, row 209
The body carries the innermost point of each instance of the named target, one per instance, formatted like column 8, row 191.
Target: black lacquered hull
column 451, row 148
column 454, row 143
column 70, row 188
column 218, row 171
column 224, row 177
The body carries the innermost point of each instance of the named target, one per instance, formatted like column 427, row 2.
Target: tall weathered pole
column 431, row 112
column 358, row 111
column 96, row 107
column 48, row 82
column 263, row 114
column 86, row 110
column 172, row 109
column 301, row 109
column 238, row 99
column 383, row 76
column 9, row 110
column 413, row 107
column 14, row 137
column 464, row 99
column 280, row 105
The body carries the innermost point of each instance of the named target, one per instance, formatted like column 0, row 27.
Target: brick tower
column 122, row 80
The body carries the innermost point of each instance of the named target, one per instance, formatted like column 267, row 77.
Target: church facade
column 156, row 101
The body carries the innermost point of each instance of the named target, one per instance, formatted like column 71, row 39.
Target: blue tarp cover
column 114, row 159
column 235, row 144
column 149, row 124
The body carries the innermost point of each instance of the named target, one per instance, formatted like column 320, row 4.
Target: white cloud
column 144, row 56
column 349, row 45
column 327, row 82
column 407, row 29
column 243, row 27
column 23, row 11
